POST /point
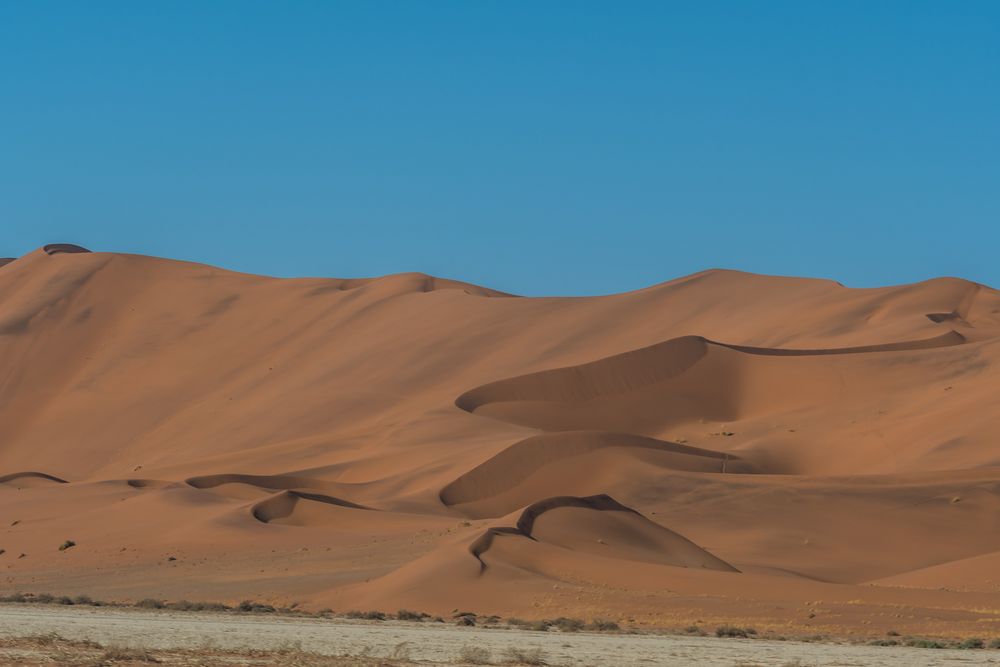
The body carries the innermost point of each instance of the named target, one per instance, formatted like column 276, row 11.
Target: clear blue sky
column 538, row 147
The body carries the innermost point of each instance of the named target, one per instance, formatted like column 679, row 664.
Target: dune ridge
column 10, row 477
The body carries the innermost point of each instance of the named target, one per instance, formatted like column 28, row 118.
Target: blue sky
column 538, row 147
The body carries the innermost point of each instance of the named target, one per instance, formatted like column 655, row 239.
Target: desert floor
column 39, row 634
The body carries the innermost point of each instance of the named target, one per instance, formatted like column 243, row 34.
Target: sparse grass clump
column 971, row 643
column 604, row 625
column 694, row 630
column 734, row 631
column 994, row 644
column 883, row 642
column 251, row 607
column 920, row 642
column 121, row 654
column 150, row 603
column 373, row 615
column 407, row 615
column 521, row 656
column 474, row 655
column 564, row 624
column 187, row 605
column 46, row 639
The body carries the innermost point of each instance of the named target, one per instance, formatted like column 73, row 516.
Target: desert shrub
column 42, row 598
column 85, row 600
column 539, row 626
column 150, row 603
column 68, row 544
column 564, row 624
column 971, row 643
column 517, row 622
column 604, row 625
column 249, row 606
column 919, row 642
column 522, row 656
column 187, row 605
column 64, row 600
column 693, row 630
column 474, row 655
column 16, row 597
column 373, row 615
column 407, row 615
column 994, row 644
column 883, row 642
column 465, row 620
column 734, row 631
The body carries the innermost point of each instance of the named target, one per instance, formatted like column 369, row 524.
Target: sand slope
column 380, row 441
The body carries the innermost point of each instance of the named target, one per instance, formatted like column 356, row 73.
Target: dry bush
column 373, row 615
column 474, row 655
column 521, row 656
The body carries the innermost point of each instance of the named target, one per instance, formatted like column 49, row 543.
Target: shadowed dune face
column 599, row 525
column 14, row 476
column 655, row 387
column 572, row 462
column 718, row 445
column 281, row 508
column 57, row 248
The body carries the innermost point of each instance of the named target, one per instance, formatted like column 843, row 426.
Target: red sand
column 724, row 446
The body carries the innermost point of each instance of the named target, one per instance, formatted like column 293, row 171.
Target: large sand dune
column 724, row 445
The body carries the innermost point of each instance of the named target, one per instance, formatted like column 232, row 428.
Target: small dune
column 287, row 507
column 600, row 525
column 537, row 463
column 272, row 482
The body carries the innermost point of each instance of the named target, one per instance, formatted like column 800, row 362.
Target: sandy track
column 435, row 643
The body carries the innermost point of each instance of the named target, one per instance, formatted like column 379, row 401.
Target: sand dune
column 287, row 506
column 767, row 441
column 572, row 462
column 599, row 525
